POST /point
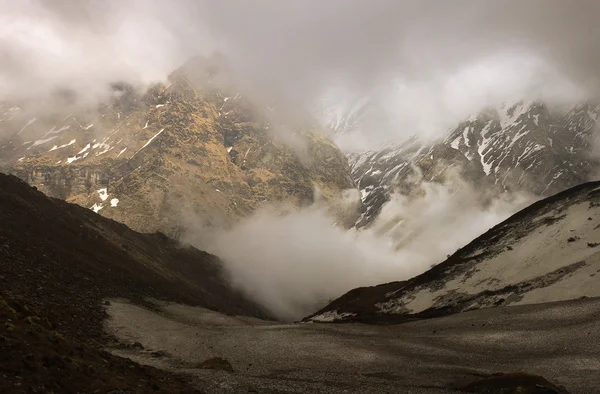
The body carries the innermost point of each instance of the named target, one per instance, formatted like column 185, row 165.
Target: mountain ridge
column 523, row 147
column 455, row 285
column 193, row 147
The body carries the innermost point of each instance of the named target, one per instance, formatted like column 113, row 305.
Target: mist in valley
column 410, row 68
column 295, row 262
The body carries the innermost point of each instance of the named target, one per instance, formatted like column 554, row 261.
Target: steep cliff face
column 192, row 148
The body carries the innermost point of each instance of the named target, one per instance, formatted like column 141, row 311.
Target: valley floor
column 560, row 341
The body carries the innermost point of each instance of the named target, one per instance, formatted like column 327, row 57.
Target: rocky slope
column 195, row 147
column 65, row 259
column 547, row 252
column 36, row 359
column 59, row 265
column 525, row 147
column 60, row 262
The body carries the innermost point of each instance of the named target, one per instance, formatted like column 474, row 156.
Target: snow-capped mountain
column 525, row 147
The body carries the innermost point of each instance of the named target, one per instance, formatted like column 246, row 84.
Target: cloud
column 422, row 63
column 294, row 263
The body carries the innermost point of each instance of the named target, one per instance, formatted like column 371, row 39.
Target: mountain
column 89, row 305
column 66, row 259
column 193, row 147
column 60, row 265
column 527, row 147
column 548, row 252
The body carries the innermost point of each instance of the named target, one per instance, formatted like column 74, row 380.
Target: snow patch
column 96, row 207
column 331, row 316
column 41, row 142
column 508, row 115
column 466, row 136
column 114, row 202
column 103, row 193
column 88, row 146
column 31, row 121
column 151, row 139
column 55, row 147
column 454, row 144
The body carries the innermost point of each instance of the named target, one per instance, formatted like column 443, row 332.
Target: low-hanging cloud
column 414, row 67
column 422, row 63
column 294, row 263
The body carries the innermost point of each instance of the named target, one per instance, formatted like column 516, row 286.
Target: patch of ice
column 122, row 151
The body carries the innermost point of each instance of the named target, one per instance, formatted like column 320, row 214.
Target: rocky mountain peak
column 521, row 146
column 191, row 147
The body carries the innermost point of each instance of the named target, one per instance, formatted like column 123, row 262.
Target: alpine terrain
column 88, row 305
column 195, row 197
column 520, row 147
column 193, row 147
column 545, row 253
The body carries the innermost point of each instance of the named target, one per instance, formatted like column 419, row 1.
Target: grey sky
column 424, row 63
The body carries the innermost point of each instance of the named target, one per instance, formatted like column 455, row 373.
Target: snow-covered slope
column 547, row 252
column 520, row 147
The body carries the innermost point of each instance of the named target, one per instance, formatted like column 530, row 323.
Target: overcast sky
column 424, row 64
